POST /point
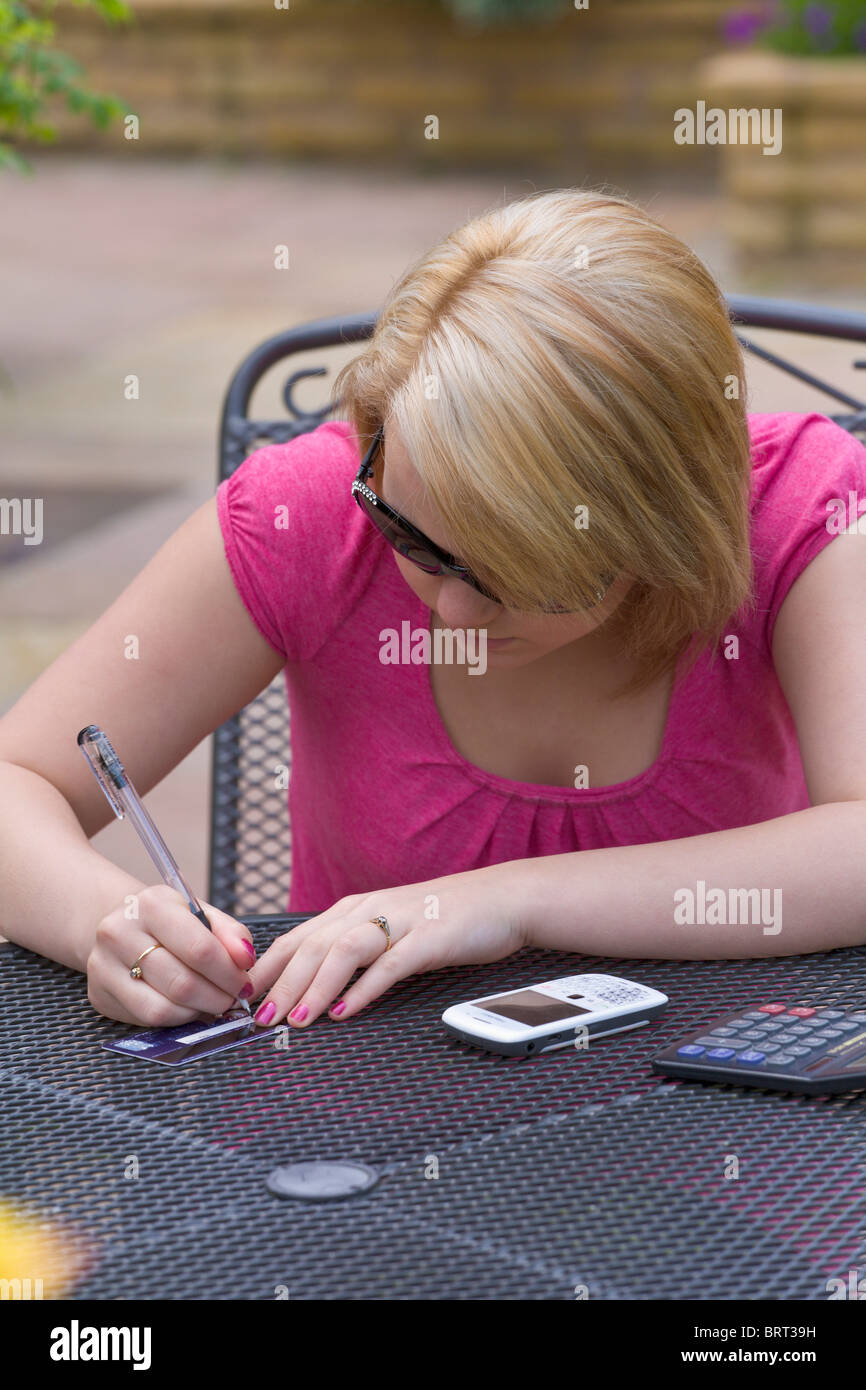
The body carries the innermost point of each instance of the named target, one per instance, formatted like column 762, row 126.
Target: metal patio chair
column 250, row 836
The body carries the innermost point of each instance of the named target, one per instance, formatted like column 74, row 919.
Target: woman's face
column 513, row 638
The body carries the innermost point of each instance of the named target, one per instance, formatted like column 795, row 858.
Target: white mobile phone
column 559, row 1013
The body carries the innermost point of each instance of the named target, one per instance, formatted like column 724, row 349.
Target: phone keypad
column 618, row 994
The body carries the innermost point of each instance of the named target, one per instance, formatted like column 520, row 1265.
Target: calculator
column 783, row 1046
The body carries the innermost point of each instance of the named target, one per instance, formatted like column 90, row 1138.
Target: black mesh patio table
column 574, row 1174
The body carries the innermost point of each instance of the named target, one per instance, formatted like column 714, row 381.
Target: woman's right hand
column 193, row 972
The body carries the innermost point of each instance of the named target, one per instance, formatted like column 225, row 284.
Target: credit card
column 189, row 1042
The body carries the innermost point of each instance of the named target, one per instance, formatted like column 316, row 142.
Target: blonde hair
column 567, row 351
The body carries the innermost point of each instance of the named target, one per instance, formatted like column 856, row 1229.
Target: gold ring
column 383, row 923
column 135, row 971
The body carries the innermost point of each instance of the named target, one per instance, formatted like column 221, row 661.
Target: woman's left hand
column 464, row 919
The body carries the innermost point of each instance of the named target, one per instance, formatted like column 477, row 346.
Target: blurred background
column 153, row 156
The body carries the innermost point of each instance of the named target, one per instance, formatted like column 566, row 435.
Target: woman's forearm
column 55, row 887
column 782, row 887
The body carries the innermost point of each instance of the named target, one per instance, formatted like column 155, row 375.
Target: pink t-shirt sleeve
column 806, row 470
column 287, row 519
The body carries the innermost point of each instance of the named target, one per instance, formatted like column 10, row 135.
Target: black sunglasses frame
column 445, row 562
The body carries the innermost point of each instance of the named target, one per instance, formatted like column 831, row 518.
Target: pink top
column 379, row 796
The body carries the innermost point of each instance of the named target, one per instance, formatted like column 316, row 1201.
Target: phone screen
column 530, row 1006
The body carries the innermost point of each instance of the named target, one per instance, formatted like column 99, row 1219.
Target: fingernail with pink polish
column 338, row 1008
column 250, row 947
column 266, row 1013
column 246, row 991
column 300, row 1013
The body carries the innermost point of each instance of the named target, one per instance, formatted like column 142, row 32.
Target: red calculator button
column 801, row 1013
column 774, row 1009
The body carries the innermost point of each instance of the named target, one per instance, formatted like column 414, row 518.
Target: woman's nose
column 459, row 605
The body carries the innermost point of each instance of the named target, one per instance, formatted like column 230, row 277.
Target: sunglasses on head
column 411, row 543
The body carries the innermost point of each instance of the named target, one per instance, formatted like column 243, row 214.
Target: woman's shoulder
column 317, row 466
column 808, row 481
column 294, row 536
column 789, row 449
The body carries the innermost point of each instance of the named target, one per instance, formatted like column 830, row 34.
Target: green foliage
column 835, row 27
column 32, row 71
column 810, row 28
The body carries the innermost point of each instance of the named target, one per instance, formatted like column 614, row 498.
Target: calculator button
column 785, row 1037
column 805, row 1030
column 783, row 1059
column 772, row 1025
column 720, row 1054
column 801, row 1012
column 722, row 1032
column 750, row 1057
column 831, row 1013
column 690, row 1050
column 799, row 1051
column 859, row 1017
column 707, row 1042
column 833, row 1033
column 845, row 1025
column 772, row 1008
column 755, row 1013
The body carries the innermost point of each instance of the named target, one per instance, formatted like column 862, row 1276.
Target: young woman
column 658, row 747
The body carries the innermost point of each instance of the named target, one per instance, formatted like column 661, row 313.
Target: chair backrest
column 250, row 839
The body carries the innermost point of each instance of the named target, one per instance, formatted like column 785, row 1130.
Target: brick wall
column 591, row 92
column 811, row 198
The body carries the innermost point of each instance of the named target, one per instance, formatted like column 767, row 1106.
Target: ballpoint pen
column 125, row 801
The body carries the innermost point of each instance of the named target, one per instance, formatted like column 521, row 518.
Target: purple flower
column 743, row 25
column 818, row 20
